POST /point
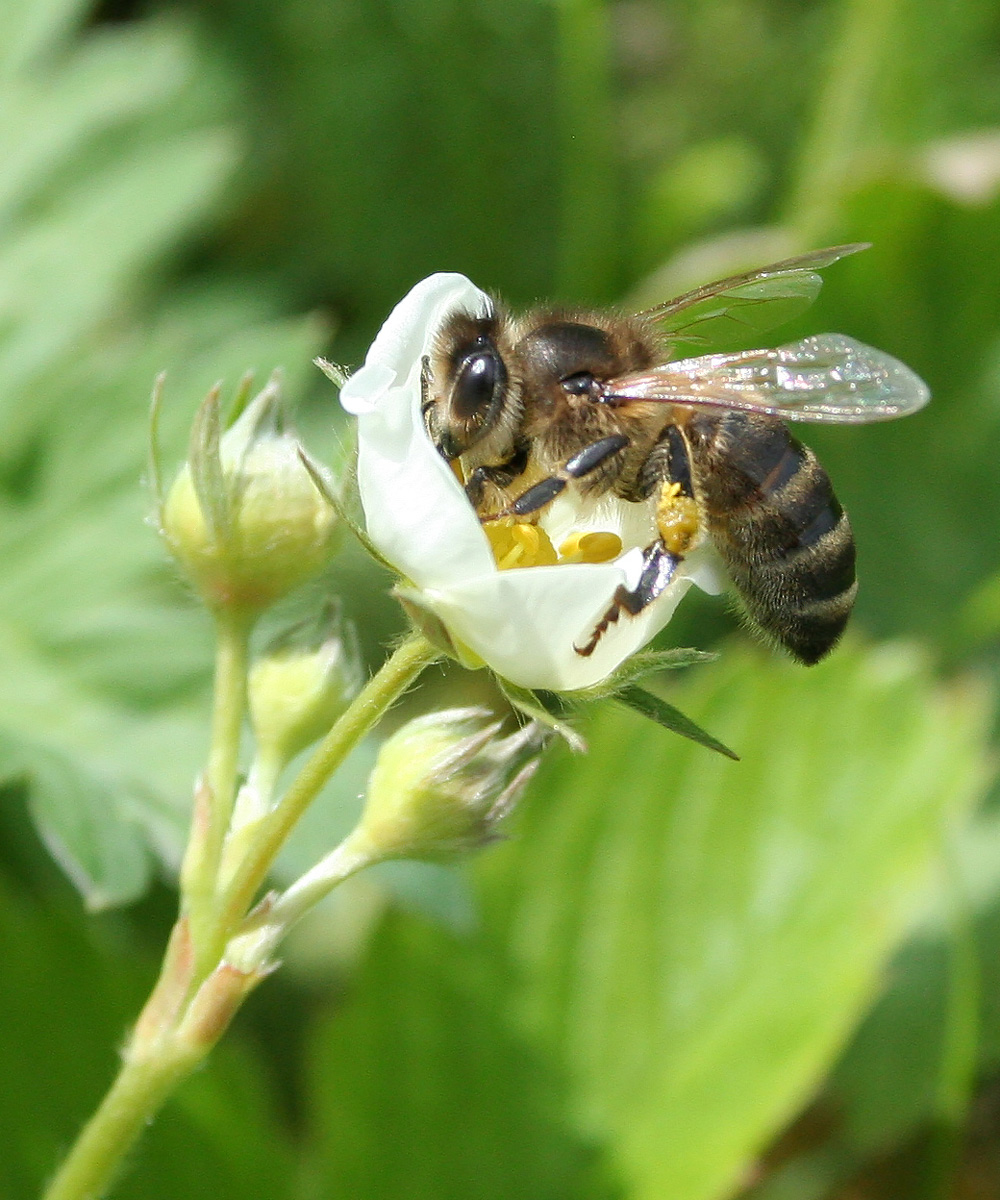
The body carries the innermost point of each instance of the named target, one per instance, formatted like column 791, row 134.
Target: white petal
column 415, row 509
column 406, row 333
column 525, row 623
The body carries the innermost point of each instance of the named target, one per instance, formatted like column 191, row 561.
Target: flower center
column 522, row 545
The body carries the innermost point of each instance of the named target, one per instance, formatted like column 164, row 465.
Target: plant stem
column 134, row 1097
column 381, row 691
column 175, row 1038
column 353, row 854
column 215, row 798
column 253, row 948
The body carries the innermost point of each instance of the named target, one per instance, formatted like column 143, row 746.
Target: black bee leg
column 501, row 475
column 658, row 567
column 583, row 463
column 425, row 384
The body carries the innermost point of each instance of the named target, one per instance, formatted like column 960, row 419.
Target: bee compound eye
column 478, row 386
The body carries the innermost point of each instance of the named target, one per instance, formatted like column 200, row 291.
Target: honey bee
column 528, row 407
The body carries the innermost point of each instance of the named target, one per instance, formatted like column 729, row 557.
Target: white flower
column 526, row 622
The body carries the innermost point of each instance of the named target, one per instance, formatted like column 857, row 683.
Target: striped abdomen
column 773, row 517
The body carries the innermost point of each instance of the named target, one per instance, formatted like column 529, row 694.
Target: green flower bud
column 244, row 518
column 443, row 783
column 301, row 686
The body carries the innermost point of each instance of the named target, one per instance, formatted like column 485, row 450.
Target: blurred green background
column 681, row 978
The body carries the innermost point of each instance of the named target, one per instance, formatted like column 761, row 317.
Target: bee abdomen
column 783, row 535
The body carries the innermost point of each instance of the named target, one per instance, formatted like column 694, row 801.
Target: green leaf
column 893, row 1077
column 689, row 936
column 111, row 225
column 86, row 824
column 114, row 155
column 665, row 714
column 81, row 760
column 418, row 1089
column 70, row 987
column 30, row 31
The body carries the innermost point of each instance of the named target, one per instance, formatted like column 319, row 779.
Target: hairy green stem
column 175, row 1033
column 134, row 1098
column 353, row 854
column 214, row 800
column 252, row 950
column 381, row 691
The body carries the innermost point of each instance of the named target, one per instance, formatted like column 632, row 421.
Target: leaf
column 28, row 31
column 109, row 227
column 84, row 804
column 658, row 710
column 888, row 1083
column 66, row 1001
column 690, row 941
column 86, row 824
column 114, row 156
column 417, row 1089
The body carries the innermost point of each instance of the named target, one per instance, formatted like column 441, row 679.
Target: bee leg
column 678, row 520
column 678, row 523
column 658, row 567
column 501, row 475
column 425, row 384
column 582, row 464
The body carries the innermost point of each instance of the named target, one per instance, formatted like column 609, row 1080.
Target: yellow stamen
column 520, row 545
column 516, row 544
column 594, row 547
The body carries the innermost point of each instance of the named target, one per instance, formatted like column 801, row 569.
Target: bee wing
column 826, row 378
column 758, row 299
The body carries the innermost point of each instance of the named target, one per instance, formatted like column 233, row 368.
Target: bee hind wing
column 758, row 299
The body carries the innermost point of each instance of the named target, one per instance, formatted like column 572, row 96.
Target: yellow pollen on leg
column 677, row 519
column 593, row 547
column 520, row 545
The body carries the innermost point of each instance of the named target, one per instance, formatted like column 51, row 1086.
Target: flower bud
column 301, row 685
column 443, row 783
column 244, row 518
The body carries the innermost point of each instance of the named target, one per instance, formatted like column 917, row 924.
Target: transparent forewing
column 826, row 378
column 757, row 300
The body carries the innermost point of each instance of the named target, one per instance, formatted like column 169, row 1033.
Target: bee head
column 468, row 387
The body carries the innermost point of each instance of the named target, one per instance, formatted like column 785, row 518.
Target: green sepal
column 154, row 465
column 205, row 458
column 428, row 623
column 241, row 397
column 338, row 502
column 669, row 717
column 646, row 662
column 531, row 705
